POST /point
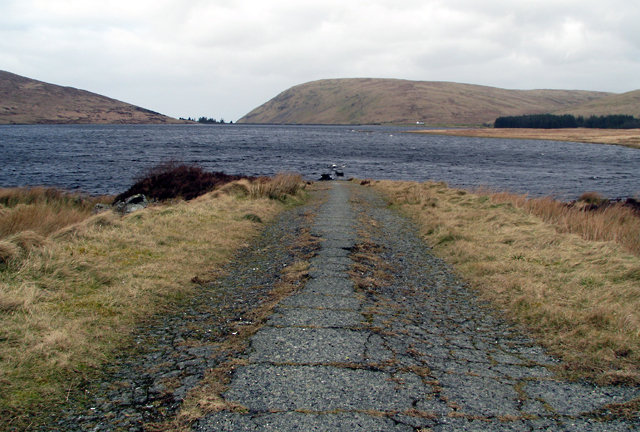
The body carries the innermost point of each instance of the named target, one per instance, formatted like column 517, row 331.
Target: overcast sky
column 222, row 58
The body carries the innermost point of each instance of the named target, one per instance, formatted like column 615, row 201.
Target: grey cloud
column 222, row 58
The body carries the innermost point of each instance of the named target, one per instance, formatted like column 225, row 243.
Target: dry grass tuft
column 612, row 223
column 240, row 189
column 42, row 210
column 11, row 197
column 591, row 198
column 9, row 303
column 282, row 187
column 570, row 276
column 27, row 240
column 8, row 252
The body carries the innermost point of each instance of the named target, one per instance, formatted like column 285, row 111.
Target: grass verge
column 568, row 275
column 68, row 303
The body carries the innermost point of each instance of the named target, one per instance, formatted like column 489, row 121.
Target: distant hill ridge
column 383, row 101
column 27, row 101
column 624, row 103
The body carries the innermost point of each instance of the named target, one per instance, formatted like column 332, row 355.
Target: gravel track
column 383, row 337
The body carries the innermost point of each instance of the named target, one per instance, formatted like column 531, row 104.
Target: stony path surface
column 384, row 337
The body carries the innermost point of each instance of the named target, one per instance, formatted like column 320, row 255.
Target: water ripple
column 105, row 158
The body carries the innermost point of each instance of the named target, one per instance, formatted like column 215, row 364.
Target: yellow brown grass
column 623, row 137
column 8, row 252
column 616, row 223
column 73, row 297
column 571, row 277
column 281, row 187
column 42, row 210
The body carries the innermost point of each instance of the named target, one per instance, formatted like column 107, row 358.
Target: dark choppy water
column 104, row 159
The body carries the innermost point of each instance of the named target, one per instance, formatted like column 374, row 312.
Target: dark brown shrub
column 171, row 180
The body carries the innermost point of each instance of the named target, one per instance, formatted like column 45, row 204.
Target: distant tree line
column 205, row 120
column 550, row 121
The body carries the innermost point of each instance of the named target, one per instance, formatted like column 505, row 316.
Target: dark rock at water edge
column 131, row 204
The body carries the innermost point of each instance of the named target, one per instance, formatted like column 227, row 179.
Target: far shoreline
column 623, row 137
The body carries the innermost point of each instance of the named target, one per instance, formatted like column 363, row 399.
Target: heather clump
column 171, row 180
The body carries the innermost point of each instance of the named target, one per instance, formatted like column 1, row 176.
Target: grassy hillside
column 368, row 100
column 625, row 103
column 27, row 101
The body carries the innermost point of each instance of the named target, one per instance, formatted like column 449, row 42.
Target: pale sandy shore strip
column 623, row 137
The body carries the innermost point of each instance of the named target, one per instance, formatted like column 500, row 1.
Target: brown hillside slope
column 27, row 101
column 624, row 103
column 369, row 100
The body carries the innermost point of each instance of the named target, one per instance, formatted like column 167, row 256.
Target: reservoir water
column 101, row 159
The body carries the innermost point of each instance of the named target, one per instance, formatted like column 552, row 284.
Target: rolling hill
column 373, row 101
column 27, row 101
column 624, row 103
